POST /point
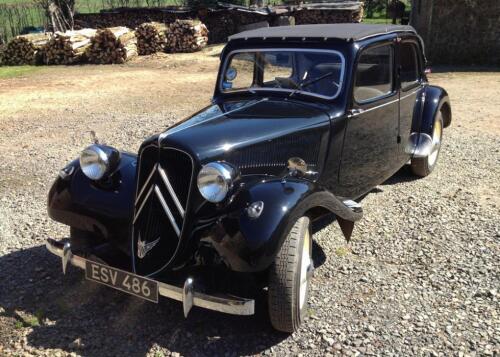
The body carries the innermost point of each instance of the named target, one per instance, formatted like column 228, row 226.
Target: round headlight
column 215, row 180
column 97, row 160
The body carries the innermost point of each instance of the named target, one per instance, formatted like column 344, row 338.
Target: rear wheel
column 423, row 166
column 289, row 279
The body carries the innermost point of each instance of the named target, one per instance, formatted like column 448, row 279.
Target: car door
column 370, row 152
column 410, row 69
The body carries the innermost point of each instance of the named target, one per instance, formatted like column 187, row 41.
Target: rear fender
column 251, row 244
column 436, row 99
column 102, row 208
column 432, row 100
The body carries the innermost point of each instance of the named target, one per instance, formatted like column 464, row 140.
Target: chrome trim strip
column 382, row 105
column 226, row 303
column 410, row 94
column 386, row 33
column 142, row 205
column 146, row 183
column 167, row 210
column 340, row 85
column 163, row 175
column 373, row 108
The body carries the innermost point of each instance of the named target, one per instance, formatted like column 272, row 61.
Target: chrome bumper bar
column 227, row 304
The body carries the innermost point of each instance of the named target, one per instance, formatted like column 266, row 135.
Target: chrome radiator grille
column 165, row 177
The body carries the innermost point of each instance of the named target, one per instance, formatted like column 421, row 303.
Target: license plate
column 121, row 280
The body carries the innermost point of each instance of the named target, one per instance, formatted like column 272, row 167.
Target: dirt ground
column 45, row 119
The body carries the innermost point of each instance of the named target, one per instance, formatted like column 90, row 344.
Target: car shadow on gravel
column 69, row 313
column 404, row 174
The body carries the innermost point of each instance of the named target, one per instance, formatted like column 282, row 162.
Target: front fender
column 102, row 208
column 251, row 244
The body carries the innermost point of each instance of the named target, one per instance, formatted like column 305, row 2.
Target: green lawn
column 17, row 71
column 379, row 20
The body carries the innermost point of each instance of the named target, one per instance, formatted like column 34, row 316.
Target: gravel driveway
column 421, row 275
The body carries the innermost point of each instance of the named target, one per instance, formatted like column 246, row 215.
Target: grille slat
column 166, row 175
column 271, row 157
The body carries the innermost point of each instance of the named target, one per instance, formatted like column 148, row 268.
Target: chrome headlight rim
column 225, row 176
column 96, row 161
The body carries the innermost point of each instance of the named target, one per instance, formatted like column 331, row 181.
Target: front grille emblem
column 143, row 247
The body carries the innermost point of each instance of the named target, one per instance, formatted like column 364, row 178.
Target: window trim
column 416, row 83
column 275, row 49
column 393, row 79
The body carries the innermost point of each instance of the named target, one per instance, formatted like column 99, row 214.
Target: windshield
column 312, row 72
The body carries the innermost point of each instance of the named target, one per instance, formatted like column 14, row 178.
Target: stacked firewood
column 325, row 16
column 112, row 45
column 186, row 36
column 151, row 38
column 68, row 47
column 25, row 49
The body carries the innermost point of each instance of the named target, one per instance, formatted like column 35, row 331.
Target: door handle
column 354, row 112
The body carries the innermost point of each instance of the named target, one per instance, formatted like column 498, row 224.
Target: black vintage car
column 304, row 121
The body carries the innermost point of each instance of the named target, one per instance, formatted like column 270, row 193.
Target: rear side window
column 374, row 73
column 409, row 65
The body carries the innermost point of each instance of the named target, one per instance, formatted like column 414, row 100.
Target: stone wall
column 459, row 31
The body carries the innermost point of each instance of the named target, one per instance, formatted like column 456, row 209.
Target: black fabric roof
column 347, row 31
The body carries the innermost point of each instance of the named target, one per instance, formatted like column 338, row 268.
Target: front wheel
column 289, row 278
column 423, row 166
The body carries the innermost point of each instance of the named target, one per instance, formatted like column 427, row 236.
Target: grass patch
column 24, row 319
column 16, row 71
column 31, row 321
column 342, row 251
column 377, row 20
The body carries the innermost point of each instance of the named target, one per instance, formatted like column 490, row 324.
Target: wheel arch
column 253, row 246
column 104, row 209
column 436, row 99
column 446, row 110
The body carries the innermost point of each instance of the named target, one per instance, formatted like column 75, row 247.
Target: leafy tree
column 373, row 6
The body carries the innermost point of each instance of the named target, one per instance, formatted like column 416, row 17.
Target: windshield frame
column 283, row 90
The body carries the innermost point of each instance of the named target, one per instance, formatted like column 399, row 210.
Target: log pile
column 151, row 38
column 25, row 49
column 325, row 16
column 186, row 36
column 68, row 47
column 112, row 45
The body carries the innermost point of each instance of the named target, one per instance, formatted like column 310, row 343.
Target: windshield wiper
column 303, row 84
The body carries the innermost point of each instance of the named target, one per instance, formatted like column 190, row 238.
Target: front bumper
column 225, row 303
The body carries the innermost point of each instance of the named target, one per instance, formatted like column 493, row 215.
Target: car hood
column 224, row 128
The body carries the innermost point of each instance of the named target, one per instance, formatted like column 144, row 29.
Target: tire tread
column 283, row 308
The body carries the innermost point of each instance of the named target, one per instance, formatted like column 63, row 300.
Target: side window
column 374, row 73
column 409, row 65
